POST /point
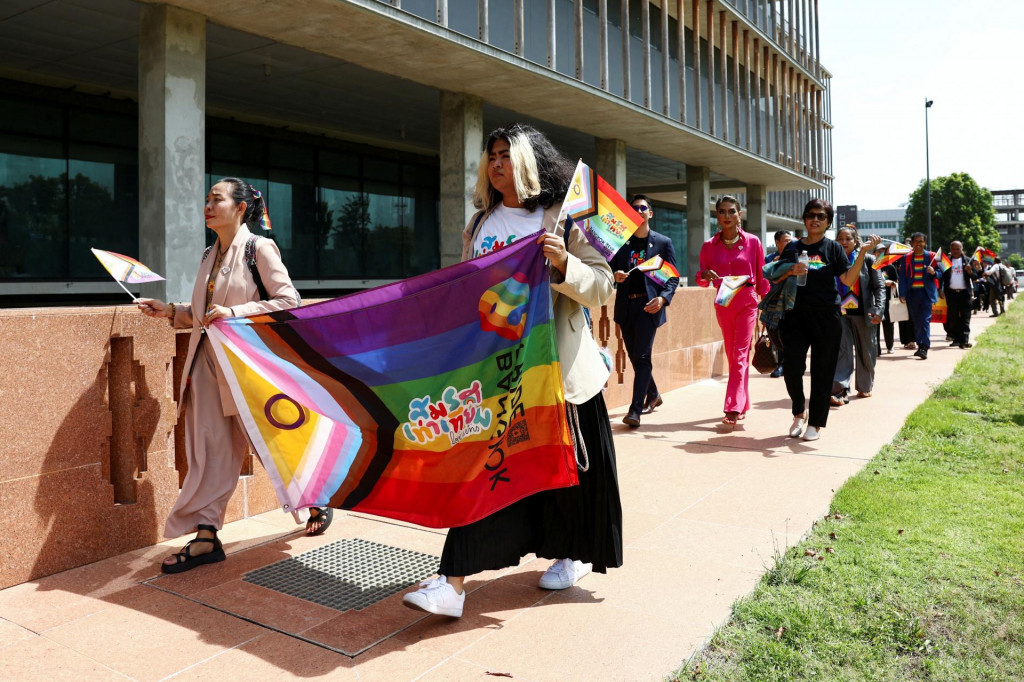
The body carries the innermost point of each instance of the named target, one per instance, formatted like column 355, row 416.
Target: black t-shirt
column 827, row 261
column 637, row 254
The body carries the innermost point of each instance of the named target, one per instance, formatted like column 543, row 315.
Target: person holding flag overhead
column 523, row 181
column 733, row 260
column 919, row 291
column 640, row 302
column 215, row 442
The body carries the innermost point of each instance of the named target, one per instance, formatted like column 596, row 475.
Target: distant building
column 886, row 223
column 1009, row 203
column 845, row 215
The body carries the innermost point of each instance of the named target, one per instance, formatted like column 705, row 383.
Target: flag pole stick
column 134, row 297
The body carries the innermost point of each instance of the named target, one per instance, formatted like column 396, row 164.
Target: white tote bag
column 898, row 311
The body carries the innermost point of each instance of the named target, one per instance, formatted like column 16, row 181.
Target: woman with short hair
column 814, row 323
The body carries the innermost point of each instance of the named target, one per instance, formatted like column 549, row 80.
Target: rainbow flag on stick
column 891, row 255
column 942, row 259
column 436, row 400
column 983, row 255
column 125, row 269
column 607, row 220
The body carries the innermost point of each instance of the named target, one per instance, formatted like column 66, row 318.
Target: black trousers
column 958, row 313
column 638, row 330
column 820, row 331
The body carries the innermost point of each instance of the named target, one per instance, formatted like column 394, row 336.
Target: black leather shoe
column 653, row 404
column 965, row 346
column 922, row 353
column 633, row 419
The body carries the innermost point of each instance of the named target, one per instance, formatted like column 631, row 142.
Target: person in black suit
column 958, row 290
column 640, row 306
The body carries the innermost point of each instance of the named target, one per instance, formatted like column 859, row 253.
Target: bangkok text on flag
column 607, row 220
column 436, row 400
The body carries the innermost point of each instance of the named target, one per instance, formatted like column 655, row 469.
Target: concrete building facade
column 1009, row 206
column 362, row 121
column 887, row 223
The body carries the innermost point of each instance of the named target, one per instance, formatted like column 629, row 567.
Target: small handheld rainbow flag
column 125, row 269
column 663, row 274
column 728, row 288
column 891, row 255
column 942, row 259
column 983, row 255
column 649, row 265
column 607, row 220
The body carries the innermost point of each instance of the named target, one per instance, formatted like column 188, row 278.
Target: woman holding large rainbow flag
column 521, row 185
column 215, row 441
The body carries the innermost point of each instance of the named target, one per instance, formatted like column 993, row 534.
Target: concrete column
column 172, row 146
column 610, row 163
column 462, row 141
column 757, row 213
column 698, row 217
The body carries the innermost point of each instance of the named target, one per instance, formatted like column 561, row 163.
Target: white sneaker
column 812, row 433
column 564, row 573
column 798, row 426
column 436, row 596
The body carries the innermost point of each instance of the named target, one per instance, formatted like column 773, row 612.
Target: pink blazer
column 237, row 291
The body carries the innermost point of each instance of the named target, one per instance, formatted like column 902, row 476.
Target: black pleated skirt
column 583, row 522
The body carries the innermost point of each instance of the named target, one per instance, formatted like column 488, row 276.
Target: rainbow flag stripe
column 124, row 268
column 435, row 400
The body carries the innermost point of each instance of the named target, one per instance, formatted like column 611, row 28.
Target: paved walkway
column 705, row 511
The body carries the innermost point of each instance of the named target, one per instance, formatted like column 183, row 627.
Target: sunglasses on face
column 816, row 216
column 641, row 208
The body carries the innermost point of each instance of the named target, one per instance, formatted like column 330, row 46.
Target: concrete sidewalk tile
column 354, row 630
column 156, row 636
column 40, row 658
column 273, row 656
column 457, row 670
column 585, row 641
column 687, row 591
column 485, row 611
column 11, row 633
column 690, row 541
column 266, row 606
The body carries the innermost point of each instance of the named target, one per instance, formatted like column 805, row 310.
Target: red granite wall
column 93, row 459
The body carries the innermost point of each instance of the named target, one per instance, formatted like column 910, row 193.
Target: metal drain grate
column 347, row 574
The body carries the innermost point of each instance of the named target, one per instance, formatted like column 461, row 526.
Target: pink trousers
column 737, row 324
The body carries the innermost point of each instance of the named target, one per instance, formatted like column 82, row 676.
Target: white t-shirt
column 505, row 226
column 956, row 278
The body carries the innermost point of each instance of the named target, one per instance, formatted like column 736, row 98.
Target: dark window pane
column 31, row 118
column 345, row 223
column 339, row 163
column 104, row 128
column 33, row 216
column 291, row 200
column 295, row 156
column 103, row 206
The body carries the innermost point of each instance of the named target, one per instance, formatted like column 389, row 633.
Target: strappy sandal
column 185, row 561
column 324, row 516
column 730, row 418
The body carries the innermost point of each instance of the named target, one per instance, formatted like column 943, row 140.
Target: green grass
column 918, row 573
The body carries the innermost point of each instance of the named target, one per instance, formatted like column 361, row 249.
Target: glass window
column 103, row 205
column 33, row 209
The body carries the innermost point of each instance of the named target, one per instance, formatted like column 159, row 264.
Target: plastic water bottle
column 801, row 280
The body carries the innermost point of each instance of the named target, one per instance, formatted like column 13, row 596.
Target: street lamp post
column 927, row 171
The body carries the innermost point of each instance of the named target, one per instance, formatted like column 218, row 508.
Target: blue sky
column 886, row 57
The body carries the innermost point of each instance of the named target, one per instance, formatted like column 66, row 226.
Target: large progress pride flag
column 436, row 400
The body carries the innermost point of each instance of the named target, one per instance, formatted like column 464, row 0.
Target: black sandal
column 185, row 560
column 324, row 516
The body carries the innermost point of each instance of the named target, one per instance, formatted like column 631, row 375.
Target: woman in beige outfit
column 215, row 441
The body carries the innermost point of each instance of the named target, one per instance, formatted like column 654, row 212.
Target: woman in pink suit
column 734, row 252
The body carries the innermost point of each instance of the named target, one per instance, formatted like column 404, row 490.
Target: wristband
column 174, row 311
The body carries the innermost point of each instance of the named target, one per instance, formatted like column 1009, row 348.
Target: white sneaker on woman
column 564, row 573
column 436, row 596
column 812, row 433
column 799, row 421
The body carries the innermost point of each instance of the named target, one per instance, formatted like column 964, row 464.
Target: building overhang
column 379, row 37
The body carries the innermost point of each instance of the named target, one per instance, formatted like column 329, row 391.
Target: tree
column 1015, row 261
column 961, row 211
